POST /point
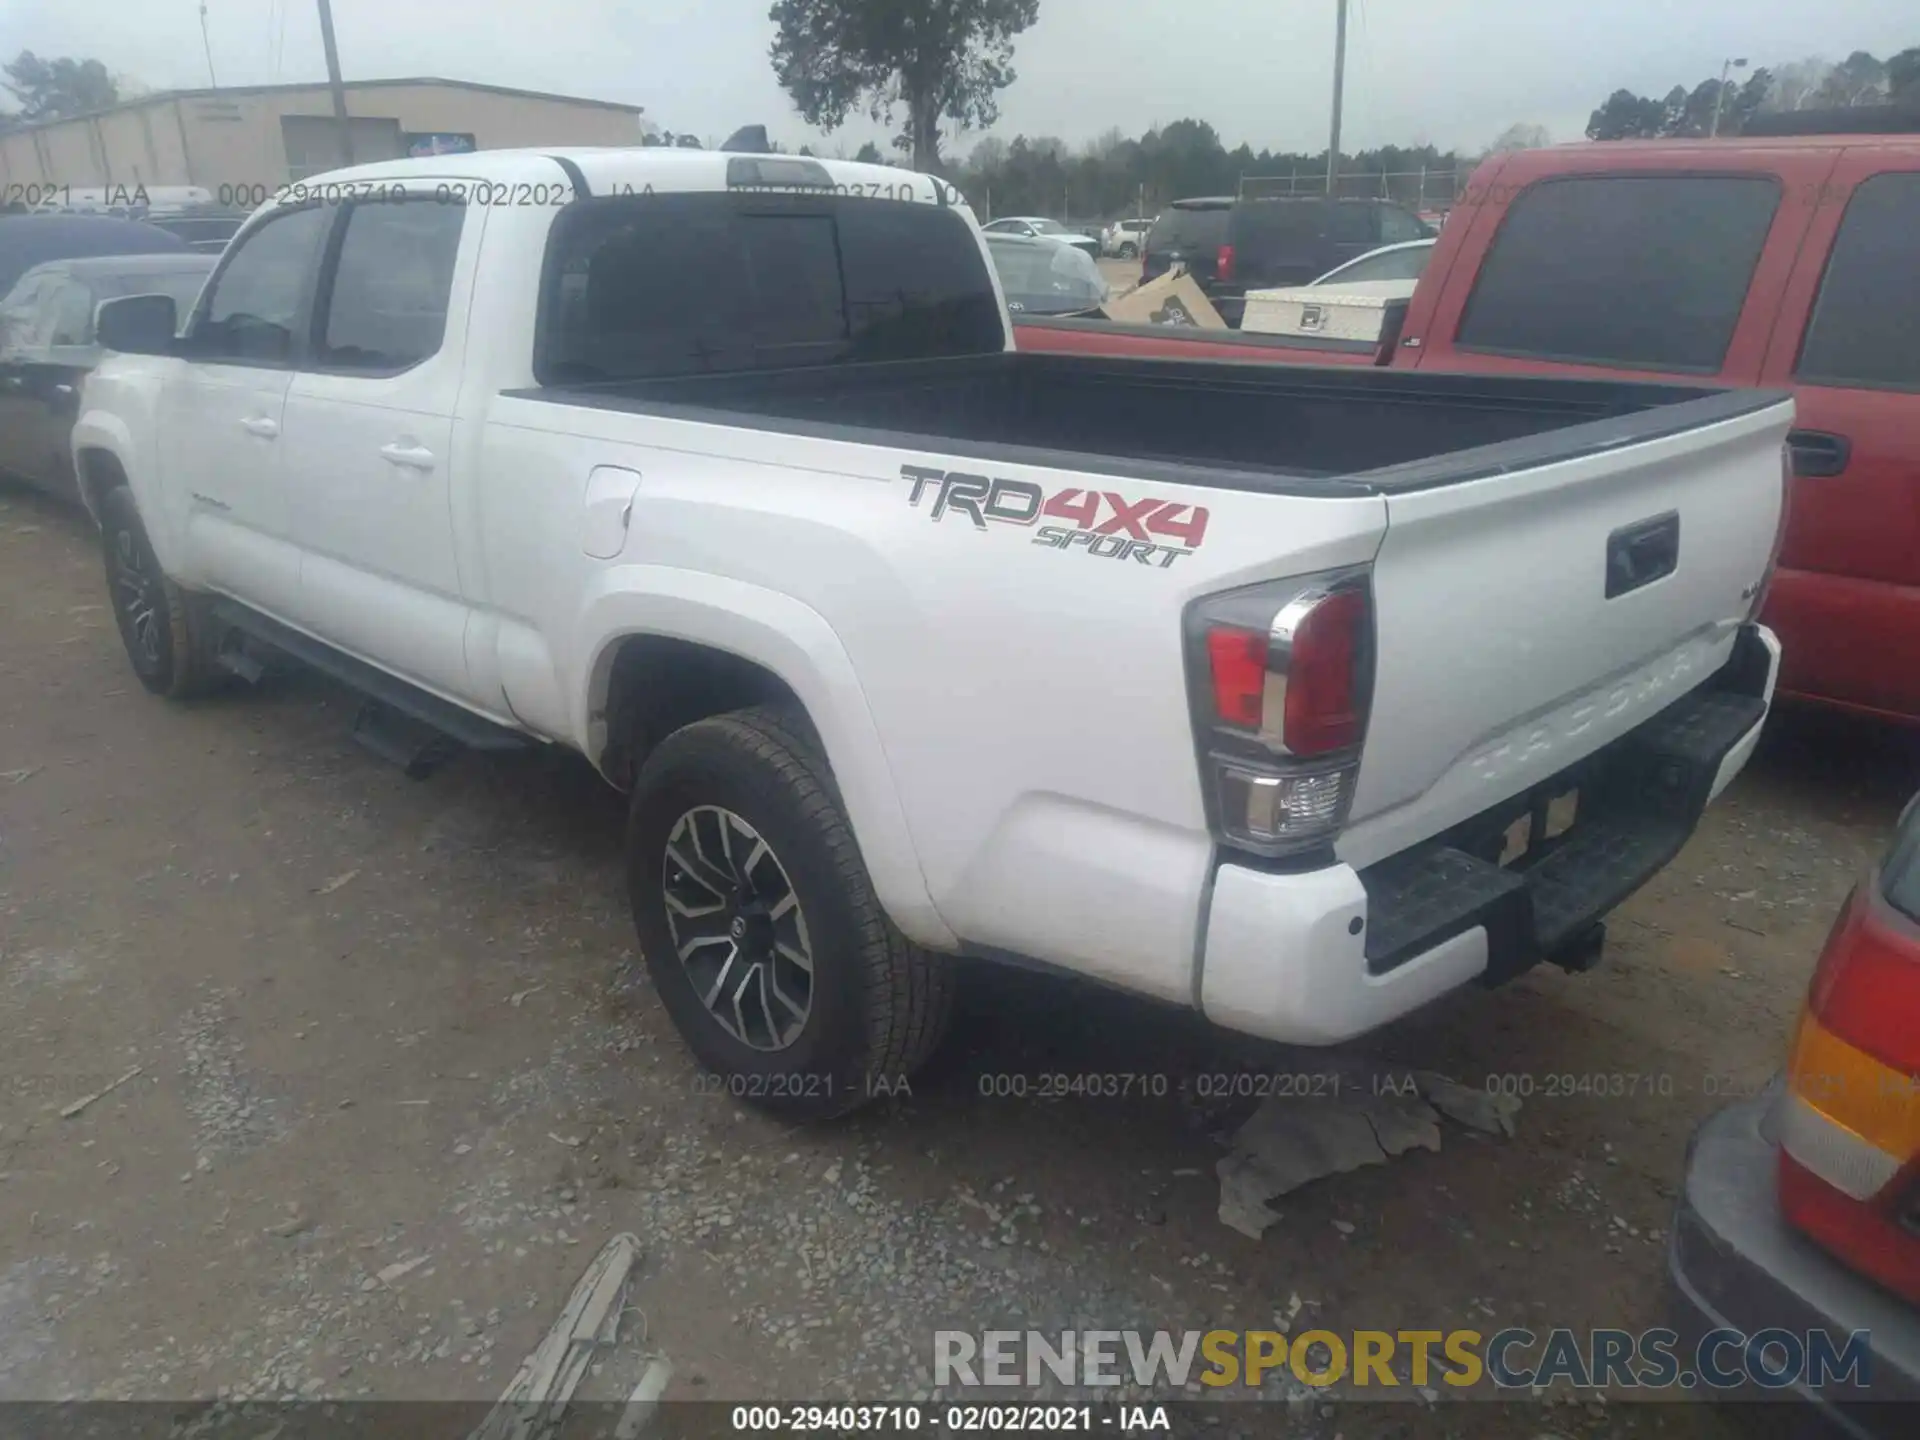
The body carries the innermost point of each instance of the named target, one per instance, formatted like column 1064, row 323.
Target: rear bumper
column 1318, row 957
column 1734, row 1264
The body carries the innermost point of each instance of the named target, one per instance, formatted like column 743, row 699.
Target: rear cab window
column 1865, row 328
column 647, row 287
column 1635, row 271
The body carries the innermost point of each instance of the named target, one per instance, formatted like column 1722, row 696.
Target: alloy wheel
column 737, row 928
column 138, row 596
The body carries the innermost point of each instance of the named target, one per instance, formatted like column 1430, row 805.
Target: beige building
column 242, row 143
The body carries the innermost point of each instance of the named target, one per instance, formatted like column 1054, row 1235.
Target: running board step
column 417, row 748
column 405, row 709
column 239, row 655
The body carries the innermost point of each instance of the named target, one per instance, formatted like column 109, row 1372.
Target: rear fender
column 795, row 643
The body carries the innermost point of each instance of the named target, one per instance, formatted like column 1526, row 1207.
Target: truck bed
column 1236, row 426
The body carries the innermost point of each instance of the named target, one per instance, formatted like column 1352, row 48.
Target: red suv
column 1791, row 262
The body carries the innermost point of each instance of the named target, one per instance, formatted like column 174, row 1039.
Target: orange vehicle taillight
column 1849, row 1122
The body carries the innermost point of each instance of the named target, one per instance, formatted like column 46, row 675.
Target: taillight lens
column 1237, row 660
column 1323, row 697
column 1223, row 263
column 1849, row 1122
column 1281, row 676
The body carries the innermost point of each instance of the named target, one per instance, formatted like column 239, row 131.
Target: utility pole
column 1339, row 91
column 207, row 42
column 333, row 83
column 1720, row 95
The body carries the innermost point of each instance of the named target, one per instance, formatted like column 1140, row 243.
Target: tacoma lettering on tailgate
column 1104, row 524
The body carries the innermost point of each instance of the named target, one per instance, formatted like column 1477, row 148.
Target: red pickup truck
column 1790, row 262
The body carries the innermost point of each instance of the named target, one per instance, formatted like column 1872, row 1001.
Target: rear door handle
column 260, row 425
column 1818, row 454
column 409, row 457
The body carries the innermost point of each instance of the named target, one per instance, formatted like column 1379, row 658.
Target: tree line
column 1810, row 84
column 1115, row 175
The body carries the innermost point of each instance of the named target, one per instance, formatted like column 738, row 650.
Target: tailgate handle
column 1817, row 454
column 1643, row 552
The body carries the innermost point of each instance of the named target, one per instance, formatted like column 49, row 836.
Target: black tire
column 1129, row 252
column 876, row 1004
column 163, row 627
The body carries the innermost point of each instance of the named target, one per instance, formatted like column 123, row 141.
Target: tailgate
column 1536, row 608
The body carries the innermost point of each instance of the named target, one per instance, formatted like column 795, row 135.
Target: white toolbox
column 1324, row 311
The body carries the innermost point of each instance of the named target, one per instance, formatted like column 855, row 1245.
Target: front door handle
column 1817, row 454
column 260, row 425
column 409, row 457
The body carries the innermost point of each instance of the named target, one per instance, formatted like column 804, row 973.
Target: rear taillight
column 1281, row 676
column 1849, row 1122
column 1223, row 263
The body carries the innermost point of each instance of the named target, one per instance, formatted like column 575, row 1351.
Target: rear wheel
column 1129, row 251
column 162, row 626
column 760, row 927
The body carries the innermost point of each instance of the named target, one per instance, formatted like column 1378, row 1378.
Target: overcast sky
column 1453, row 72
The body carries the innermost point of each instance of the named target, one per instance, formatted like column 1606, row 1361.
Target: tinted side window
column 1398, row 226
column 21, row 315
column 387, row 305
column 1352, row 224
column 1293, row 226
column 1866, row 324
column 72, row 314
column 1622, row 270
column 654, row 286
column 254, row 307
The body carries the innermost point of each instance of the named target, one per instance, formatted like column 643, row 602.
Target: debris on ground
column 400, row 1269
column 85, row 1100
column 1476, row 1109
column 296, row 1221
column 14, row 777
column 645, row 1398
column 1292, row 1140
column 337, row 882
column 536, row 1398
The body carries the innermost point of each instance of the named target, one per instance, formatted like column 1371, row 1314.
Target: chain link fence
column 1416, row 189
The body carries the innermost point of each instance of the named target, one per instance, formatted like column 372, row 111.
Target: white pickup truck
column 1297, row 697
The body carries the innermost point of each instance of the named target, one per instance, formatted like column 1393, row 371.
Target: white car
column 1300, row 697
column 1348, row 304
column 1394, row 268
column 1040, row 227
column 1125, row 239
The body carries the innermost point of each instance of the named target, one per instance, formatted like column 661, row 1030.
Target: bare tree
column 1520, row 136
column 1795, row 84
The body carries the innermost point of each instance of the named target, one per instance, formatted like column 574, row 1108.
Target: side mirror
column 137, row 324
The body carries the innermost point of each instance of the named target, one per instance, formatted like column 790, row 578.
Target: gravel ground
column 399, row 1076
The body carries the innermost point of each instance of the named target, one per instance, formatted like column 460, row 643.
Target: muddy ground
column 378, row 1021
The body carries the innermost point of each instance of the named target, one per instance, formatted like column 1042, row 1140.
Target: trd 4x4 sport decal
column 1104, row 524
